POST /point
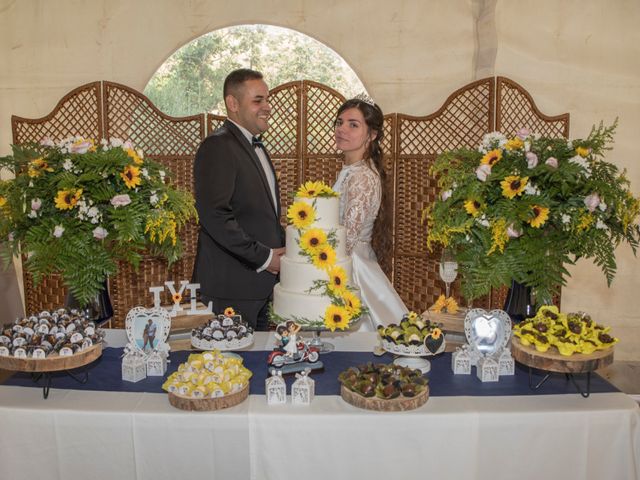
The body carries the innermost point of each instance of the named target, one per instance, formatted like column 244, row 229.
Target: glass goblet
column 448, row 269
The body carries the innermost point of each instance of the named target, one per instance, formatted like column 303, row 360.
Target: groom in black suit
column 237, row 198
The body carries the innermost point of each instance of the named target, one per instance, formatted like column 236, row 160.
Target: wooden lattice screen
column 300, row 142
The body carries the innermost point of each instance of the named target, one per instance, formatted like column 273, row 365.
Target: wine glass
column 448, row 269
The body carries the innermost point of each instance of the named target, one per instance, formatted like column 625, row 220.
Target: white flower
column 565, row 218
column 482, row 172
column 93, row 212
column 153, row 199
column 592, row 201
column 445, row 195
column 121, row 200
column 67, row 164
column 600, row 225
column 569, row 144
column 10, row 237
column 32, row 214
column 100, row 233
column 127, row 145
column 47, row 142
column 602, row 206
column 552, row 162
column 58, row 231
column 493, row 140
column 527, row 146
column 140, row 153
column 483, row 221
column 36, row 203
column 531, row 189
column 145, row 173
column 532, row 159
column 162, row 174
column 104, row 142
column 116, row 142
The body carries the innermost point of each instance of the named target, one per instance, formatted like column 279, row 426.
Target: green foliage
column 190, row 81
column 76, row 209
column 524, row 208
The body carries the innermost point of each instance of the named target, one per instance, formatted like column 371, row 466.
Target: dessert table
column 94, row 434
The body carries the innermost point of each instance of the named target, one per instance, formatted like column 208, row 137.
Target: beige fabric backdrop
column 580, row 56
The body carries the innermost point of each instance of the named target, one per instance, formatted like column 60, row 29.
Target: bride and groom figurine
column 237, row 198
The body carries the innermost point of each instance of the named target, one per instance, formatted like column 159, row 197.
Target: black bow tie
column 256, row 142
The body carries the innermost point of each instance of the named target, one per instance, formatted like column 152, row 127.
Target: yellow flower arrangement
column 77, row 208
column 301, row 215
column 337, row 280
column 313, row 239
column 521, row 208
column 336, row 317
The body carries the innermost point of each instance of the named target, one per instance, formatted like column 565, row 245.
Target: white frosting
column 293, row 248
column 327, row 211
column 299, row 277
column 300, row 305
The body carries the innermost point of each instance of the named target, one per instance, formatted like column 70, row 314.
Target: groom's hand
column 274, row 265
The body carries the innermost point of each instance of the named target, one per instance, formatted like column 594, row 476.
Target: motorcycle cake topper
column 293, row 353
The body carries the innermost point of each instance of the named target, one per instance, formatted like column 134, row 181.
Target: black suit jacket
column 239, row 223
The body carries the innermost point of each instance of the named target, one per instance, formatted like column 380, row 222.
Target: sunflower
column 137, row 159
column 352, row 303
column 513, row 185
column 412, row 315
column 336, row 317
column 325, row 257
column 176, row 297
column 37, row 166
column 337, row 280
column 436, row 333
column 310, row 189
column 327, row 191
column 301, row 215
column 583, row 152
column 229, row 312
column 131, row 176
column 67, row 199
column 540, row 215
column 440, row 304
column 492, row 157
column 473, row 207
column 312, row 239
column 514, row 144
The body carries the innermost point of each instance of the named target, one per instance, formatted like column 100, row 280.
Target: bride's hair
column 374, row 118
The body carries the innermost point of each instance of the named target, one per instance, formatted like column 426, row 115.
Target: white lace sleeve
column 362, row 191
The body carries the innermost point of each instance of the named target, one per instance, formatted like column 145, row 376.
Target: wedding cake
column 315, row 271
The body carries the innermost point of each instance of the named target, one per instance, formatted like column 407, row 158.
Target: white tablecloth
column 109, row 435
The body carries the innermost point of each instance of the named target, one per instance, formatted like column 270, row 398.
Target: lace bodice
column 360, row 195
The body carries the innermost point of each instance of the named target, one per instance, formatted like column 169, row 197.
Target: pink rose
column 120, row 200
column 100, row 233
column 592, row 201
column 36, row 203
column 58, row 231
column 523, row 133
column 81, row 146
column 513, row 232
column 552, row 162
column 532, row 159
column 482, row 172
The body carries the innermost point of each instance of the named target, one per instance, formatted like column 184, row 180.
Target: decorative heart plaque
column 487, row 332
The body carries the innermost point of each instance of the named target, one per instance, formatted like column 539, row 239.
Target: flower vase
column 519, row 303
column 99, row 309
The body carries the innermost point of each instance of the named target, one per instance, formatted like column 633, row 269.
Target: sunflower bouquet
column 523, row 208
column 76, row 208
column 319, row 248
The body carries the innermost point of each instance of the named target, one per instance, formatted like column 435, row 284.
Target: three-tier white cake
column 292, row 298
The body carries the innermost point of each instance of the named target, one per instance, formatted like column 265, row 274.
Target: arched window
column 190, row 81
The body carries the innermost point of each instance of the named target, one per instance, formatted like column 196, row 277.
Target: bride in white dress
column 358, row 132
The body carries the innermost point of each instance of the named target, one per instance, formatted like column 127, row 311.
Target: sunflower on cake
column 316, row 288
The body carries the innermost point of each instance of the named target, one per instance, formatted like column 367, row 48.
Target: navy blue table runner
column 105, row 375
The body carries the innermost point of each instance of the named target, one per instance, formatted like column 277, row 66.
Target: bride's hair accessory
column 363, row 97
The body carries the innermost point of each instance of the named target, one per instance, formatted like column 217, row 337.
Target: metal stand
column 46, row 376
column 323, row 347
column 569, row 376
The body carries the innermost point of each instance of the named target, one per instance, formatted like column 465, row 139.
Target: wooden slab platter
column 400, row 404
column 552, row 361
column 53, row 362
column 208, row 404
